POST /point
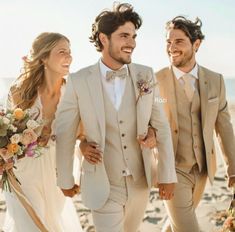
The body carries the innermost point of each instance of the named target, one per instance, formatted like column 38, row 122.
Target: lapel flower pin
column 144, row 86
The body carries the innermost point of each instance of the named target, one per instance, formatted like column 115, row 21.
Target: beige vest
column 190, row 149
column 122, row 150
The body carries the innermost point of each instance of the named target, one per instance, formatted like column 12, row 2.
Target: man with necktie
column 116, row 101
column 195, row 105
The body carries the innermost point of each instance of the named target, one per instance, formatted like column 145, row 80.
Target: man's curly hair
column 191, row 29
column 108, row 22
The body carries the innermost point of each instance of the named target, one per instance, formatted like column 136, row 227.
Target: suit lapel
column 142, row 105
column 167, row 90
column 203, row 85
column 96, row 93
column 133, row 75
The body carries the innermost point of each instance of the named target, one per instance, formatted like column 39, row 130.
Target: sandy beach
column 215, row 200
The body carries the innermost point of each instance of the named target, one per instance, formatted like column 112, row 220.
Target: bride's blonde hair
column 25, row 89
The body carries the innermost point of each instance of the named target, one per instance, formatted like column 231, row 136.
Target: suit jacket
column 214, row 114
column 83, row 101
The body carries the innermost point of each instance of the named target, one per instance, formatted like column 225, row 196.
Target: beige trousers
column 125, row 207
column 188, row 193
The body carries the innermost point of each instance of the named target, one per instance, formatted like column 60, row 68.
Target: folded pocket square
column 213, row 99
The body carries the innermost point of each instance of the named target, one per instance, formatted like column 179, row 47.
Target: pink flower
column 144, row 87
column 30, row 149
column 28, row 136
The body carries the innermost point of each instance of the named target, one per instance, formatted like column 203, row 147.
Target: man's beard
column 186, row 59
column 116, row 58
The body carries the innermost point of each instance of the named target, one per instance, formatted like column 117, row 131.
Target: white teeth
column 175, row 54
column 127, row 50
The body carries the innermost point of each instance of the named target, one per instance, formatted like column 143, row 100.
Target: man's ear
column 103, row 38
column 196, row 45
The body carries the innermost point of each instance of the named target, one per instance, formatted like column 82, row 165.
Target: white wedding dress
column 38, row 182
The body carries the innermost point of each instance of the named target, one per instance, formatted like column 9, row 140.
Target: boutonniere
column 145, row 87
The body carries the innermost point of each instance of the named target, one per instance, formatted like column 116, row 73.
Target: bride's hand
column 6, row 166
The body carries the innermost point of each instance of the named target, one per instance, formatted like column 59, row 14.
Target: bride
column 40, row 87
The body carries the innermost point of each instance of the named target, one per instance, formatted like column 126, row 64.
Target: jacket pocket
column 212, row 100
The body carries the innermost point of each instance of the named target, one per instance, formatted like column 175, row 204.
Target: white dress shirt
column 178, row 74
column 115, row 87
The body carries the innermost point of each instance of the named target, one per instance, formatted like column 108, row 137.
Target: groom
column 116, row 101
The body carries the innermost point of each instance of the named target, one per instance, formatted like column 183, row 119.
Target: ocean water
column 230, row 88
column 6, row 82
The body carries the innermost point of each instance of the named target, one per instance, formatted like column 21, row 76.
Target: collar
column 104, row 68
column 178, row 73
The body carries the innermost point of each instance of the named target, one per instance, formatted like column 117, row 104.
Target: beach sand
column 215, row 199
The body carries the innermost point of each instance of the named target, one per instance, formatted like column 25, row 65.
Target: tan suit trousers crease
column 188, row 193
column 125, row 207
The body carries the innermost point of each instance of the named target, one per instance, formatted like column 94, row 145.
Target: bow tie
column 121, row 73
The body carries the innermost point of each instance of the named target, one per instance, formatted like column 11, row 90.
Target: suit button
column 120, row 121
column 125, row 147
column 176, row 131
column 123, row 135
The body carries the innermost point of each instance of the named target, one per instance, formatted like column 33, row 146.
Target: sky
column 22, row 20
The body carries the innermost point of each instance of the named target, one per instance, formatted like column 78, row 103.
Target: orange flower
column 18, row 114
column 12, row 148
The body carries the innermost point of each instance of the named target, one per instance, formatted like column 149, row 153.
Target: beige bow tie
column 188, row 87
column 121, row 73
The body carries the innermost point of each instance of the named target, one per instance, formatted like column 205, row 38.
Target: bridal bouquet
column 226, row 218
column 19, row 132
column 229, row 223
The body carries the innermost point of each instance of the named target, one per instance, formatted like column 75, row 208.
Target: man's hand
column 231, row 181
column 148, row 141
column 71, row 192
column 91, row 152
column 166, row 191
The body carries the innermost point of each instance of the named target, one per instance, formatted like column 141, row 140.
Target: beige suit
column 214, row 115
column 84, row 101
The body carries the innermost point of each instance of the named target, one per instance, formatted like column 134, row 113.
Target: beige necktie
column 188, row 87
column 121, row 73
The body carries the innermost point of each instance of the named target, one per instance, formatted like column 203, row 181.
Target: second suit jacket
column 83, row 101
column 214, row 114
